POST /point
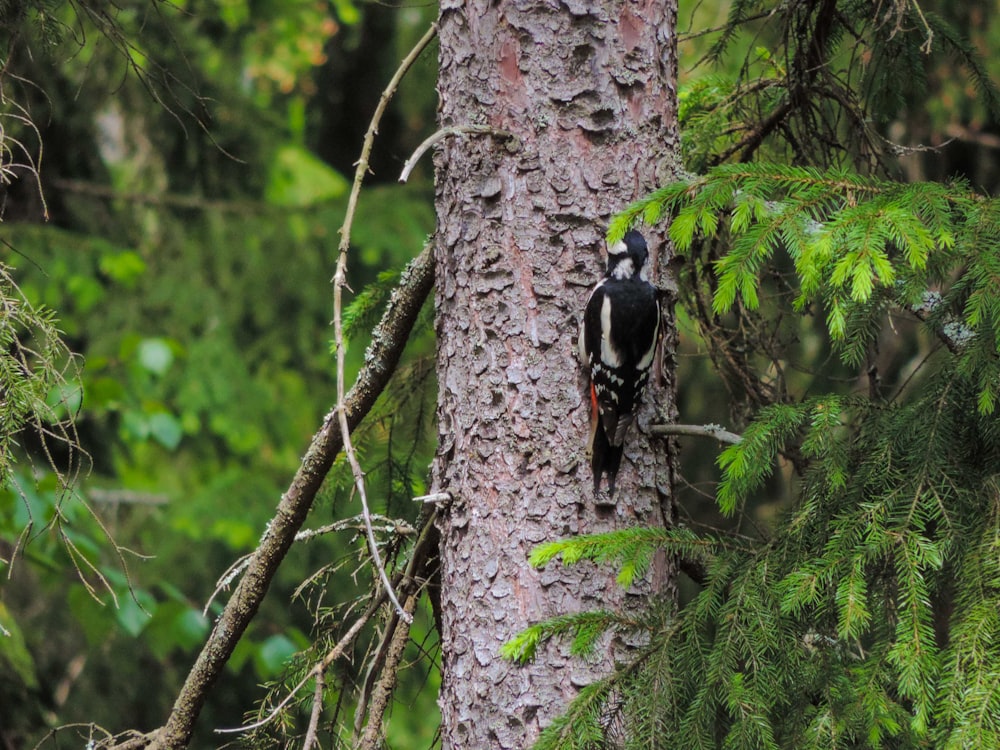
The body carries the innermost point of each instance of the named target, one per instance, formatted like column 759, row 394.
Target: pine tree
column 866, row 613
column 518, row 247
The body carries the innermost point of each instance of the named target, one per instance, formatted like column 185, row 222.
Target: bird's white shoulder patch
column 647, row 358
column 610, row 356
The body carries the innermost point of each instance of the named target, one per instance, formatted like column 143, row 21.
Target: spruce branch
column 834, row 616
column 579, row 728
column 859, row 246
column 630, row 550
column 585, row 628
column 869, row 614
column 953, row 42
column 746, row 464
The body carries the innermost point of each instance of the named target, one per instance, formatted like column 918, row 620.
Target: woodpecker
column 618, row 337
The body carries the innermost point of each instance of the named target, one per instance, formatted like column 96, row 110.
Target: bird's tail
column 605, row 458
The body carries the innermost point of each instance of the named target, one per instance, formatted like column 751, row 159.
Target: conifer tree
column 865, row 614
column 582, row 96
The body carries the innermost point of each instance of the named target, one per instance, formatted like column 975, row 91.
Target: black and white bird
column 618, row 337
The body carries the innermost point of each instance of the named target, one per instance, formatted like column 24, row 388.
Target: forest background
column 193, row 172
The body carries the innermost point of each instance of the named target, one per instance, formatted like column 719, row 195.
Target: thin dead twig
column 392, row 526
column 319, row 668
column 374, row 697
column 443, row 133
column 698, row 430
column 382, row 692
column 339, row 282
column 317, row 708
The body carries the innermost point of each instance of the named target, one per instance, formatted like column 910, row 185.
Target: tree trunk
column 587, row 90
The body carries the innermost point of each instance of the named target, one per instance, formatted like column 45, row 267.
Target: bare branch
column 339, row 282
column 963, row 133
column 374, row 698
column 434, row 497
column 699, row 430
column 418, row 560
column 317, row 709
column 952, row 330
column 392, row 526
column 126, row 497
column 443, row 133
column 163, row 200
column 399, row 630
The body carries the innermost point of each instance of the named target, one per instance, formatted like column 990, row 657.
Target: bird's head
column 628, row 256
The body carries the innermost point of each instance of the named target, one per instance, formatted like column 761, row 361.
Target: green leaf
column 135, row 424
column 94, row 618
column 86, row 292
column 175, row 625
column 191, row 627
column 300, row 179
column 124, row 268
column 104, row 392
column 15, row 656
column 165, row 429
column 135, row 610
column 271, row 656
column 347, row 11
column 155, row 355
column 244, row 652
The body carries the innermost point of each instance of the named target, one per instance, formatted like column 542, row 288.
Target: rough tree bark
column 587, row 89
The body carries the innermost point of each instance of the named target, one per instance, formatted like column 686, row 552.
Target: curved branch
column 443, row 133
column 339, row 282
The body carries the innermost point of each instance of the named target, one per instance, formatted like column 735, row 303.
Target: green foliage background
column 185, row 231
